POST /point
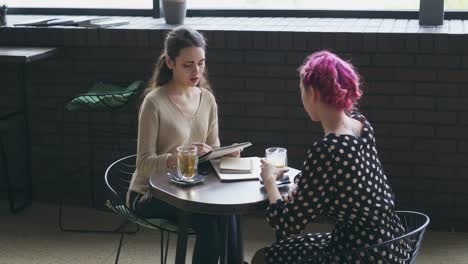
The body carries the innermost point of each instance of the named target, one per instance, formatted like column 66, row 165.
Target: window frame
column 155, row 12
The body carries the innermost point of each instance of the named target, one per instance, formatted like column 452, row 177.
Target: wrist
column 269, row 183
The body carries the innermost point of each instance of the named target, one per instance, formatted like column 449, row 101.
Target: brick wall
column 415, row 85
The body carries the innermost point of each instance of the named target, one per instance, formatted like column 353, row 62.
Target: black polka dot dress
column 342, row 178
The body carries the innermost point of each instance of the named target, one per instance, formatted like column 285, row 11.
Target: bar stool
column 100, row 98
column 23, row 57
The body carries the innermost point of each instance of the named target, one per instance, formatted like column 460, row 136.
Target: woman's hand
column 270, row 173
column 202, row 148
column 289, row 198
column 235, row 154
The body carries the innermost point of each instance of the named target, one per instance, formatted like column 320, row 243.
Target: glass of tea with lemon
column 187, row 162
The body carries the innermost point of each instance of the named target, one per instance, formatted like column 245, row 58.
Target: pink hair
column 335, row 79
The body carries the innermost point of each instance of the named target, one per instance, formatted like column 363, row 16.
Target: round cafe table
column 212, row 196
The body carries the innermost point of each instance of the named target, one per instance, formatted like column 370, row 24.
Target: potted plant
column 174, row 11
column 431, row 12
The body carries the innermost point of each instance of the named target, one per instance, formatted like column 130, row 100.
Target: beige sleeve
column 212, row 138
column 148, row 161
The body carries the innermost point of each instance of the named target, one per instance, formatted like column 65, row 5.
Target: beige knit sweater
column 163, row 127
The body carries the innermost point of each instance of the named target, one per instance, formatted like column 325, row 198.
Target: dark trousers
column 208, row 236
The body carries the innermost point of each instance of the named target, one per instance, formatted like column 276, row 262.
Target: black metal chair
column 9, row 146
column 117, row 178
column 100, row 98
column 403, row 249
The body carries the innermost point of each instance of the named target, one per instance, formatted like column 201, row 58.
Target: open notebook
column 253, row 175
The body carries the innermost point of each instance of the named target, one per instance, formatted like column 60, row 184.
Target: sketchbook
column 235, row 165
column 223, row 176
column 223, row 151
column 253, row 175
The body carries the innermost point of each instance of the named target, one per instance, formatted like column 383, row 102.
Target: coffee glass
column 277, row 156
column 187, row 162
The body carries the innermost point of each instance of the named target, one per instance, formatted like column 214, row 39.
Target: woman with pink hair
column 342, row 177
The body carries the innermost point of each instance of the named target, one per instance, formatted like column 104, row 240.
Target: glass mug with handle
column 187, row 162
column 277, row 156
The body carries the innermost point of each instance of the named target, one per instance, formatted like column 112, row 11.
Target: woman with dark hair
column 342, row 177
column 178, row 109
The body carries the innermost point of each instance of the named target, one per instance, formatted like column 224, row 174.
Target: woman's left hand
column 270, row 173
column 235, row 154
column 202, row 148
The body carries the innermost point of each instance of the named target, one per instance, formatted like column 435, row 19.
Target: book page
column 232, row 163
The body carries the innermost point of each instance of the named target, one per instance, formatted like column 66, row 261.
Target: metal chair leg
column 119, row 248
column 84, row 171
column 164, row 251
column 79, row 230
column 167, row 247
column 24, row 77
column 14, row 208
column 7, row 175
column 118, row 229
column 161, row 245
column 10, row 192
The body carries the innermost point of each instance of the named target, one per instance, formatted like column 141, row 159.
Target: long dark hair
column 176, row 40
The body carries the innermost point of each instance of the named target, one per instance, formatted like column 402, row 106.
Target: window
column 456, row 5
column 403, row 5
column 306, row 4
column 244, row 7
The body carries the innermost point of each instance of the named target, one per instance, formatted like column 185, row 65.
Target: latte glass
column 277, row 156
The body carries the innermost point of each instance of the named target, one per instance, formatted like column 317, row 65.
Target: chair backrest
column 403, row 249
column 117, row 177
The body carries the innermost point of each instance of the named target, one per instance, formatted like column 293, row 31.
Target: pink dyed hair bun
column 335, row 79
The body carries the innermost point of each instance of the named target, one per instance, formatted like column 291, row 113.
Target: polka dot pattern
column 343, row 179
